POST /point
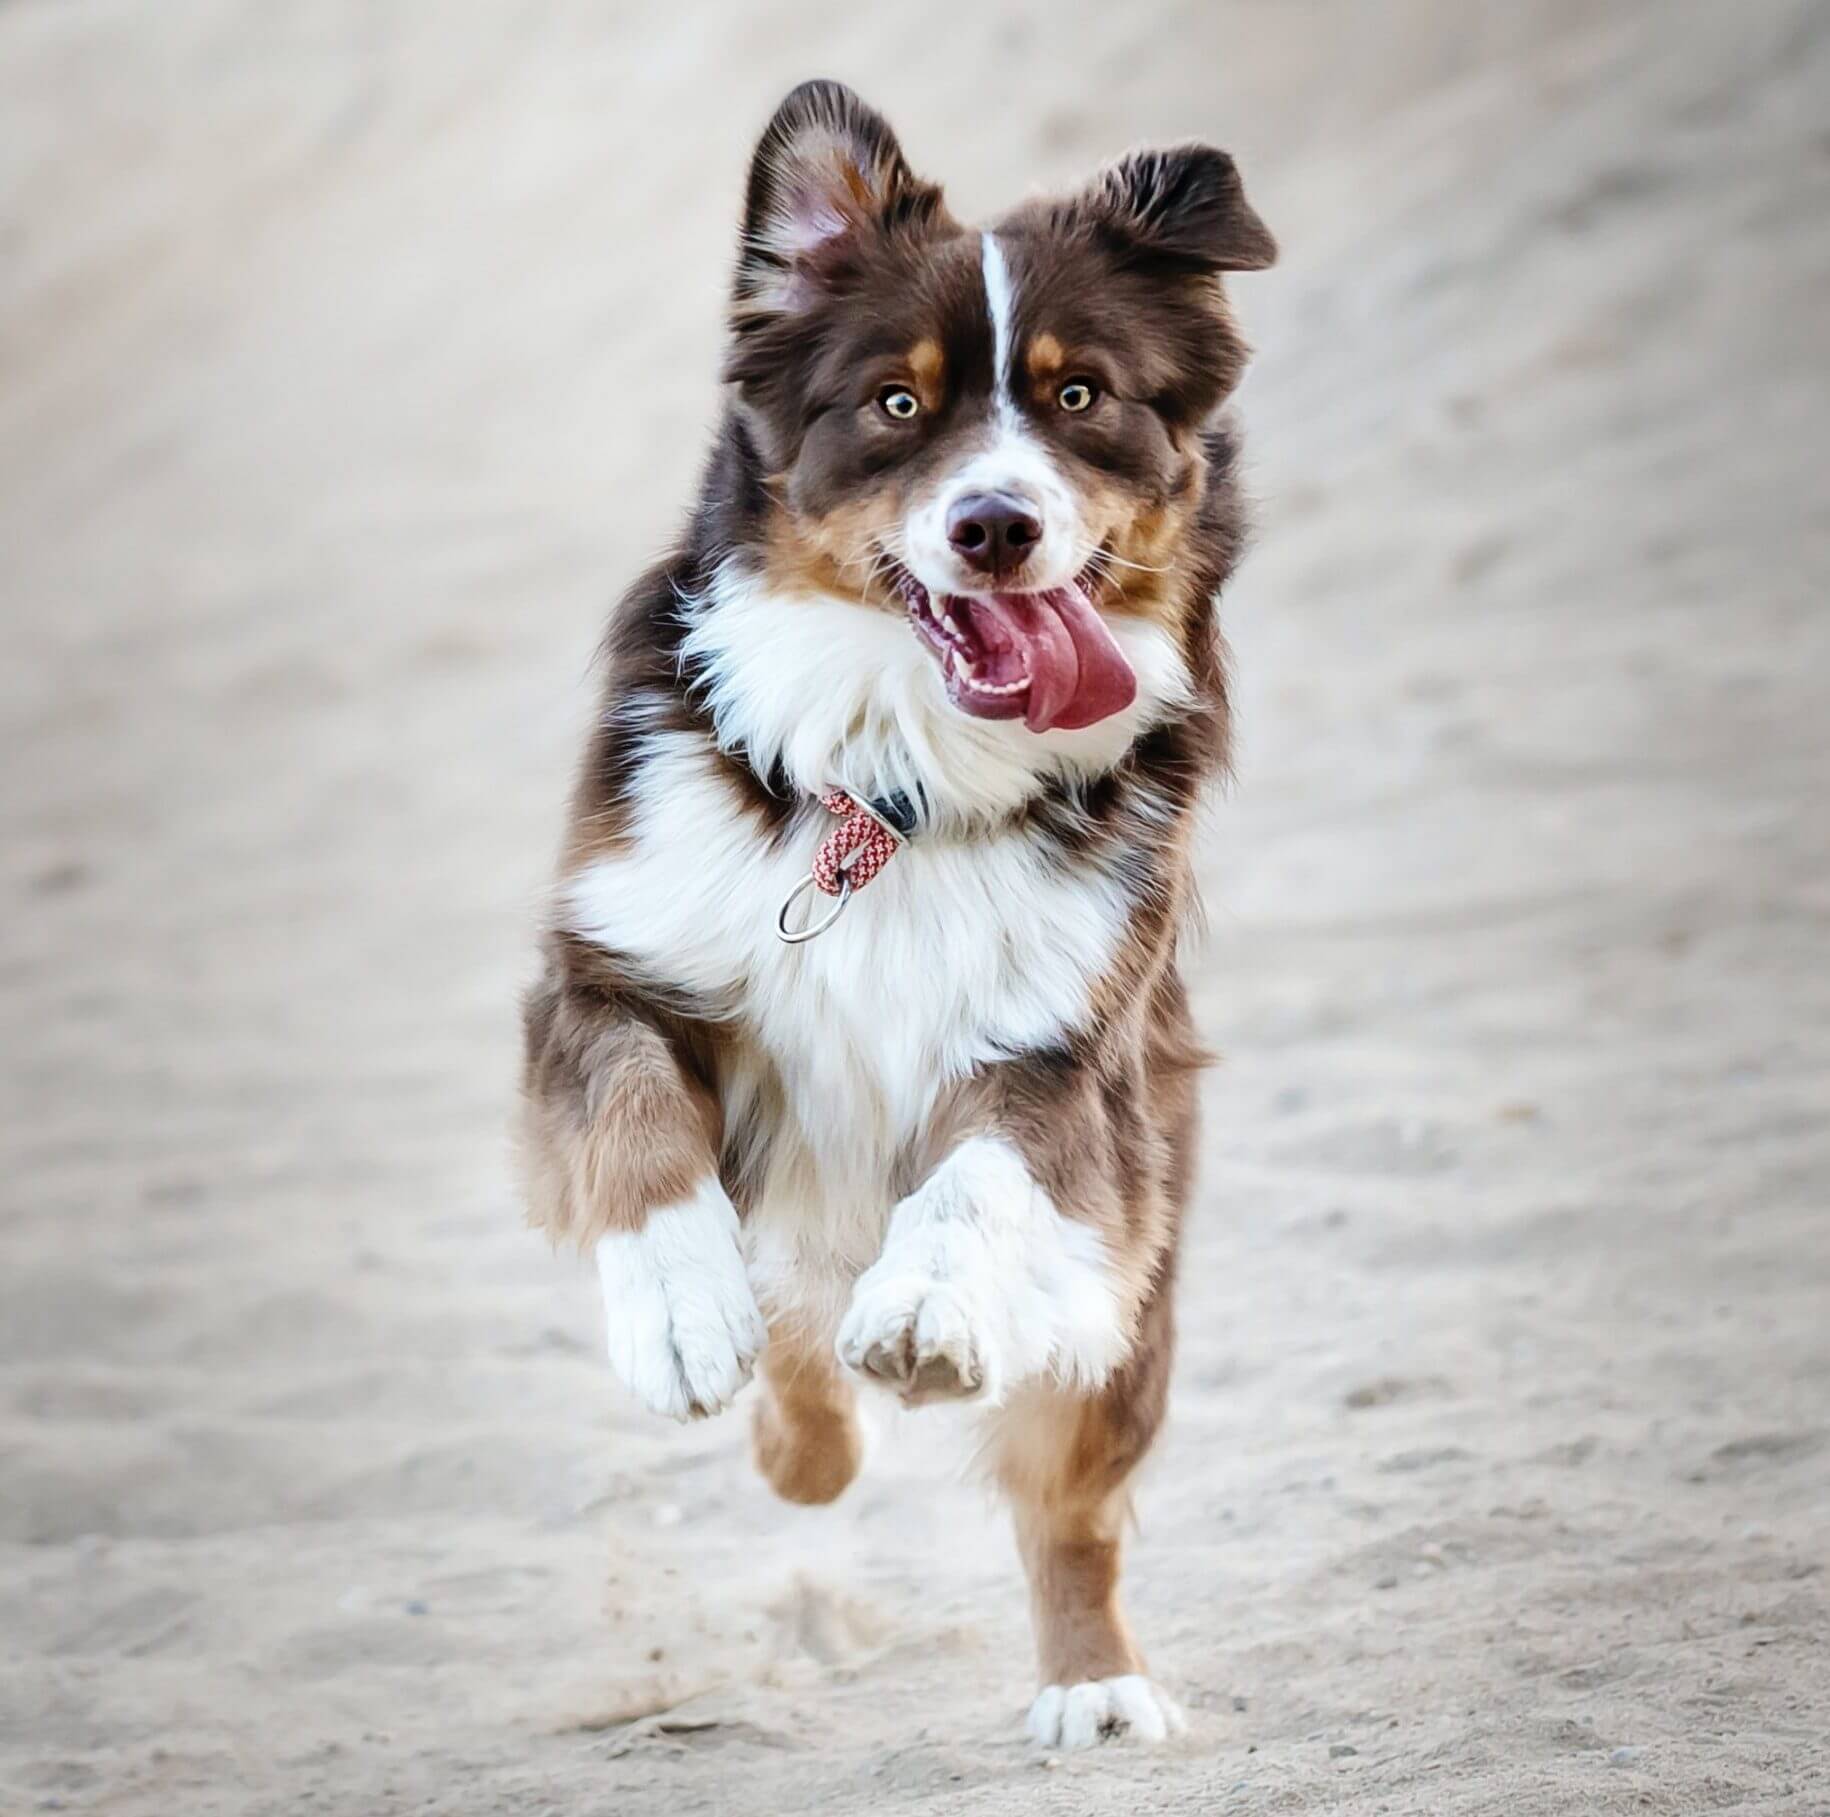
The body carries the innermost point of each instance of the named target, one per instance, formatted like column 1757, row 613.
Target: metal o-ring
column 818, row 927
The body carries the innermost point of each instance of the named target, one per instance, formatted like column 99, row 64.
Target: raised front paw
column 1103, row 1709
column 918, row 1336
column 681, row 1324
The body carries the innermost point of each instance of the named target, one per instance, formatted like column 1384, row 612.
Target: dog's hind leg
column 806, row 1435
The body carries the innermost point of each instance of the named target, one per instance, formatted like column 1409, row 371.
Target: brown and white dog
column 956, row 554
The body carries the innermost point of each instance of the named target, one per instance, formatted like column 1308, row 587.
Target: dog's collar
column 896, row 810
column 872, row 829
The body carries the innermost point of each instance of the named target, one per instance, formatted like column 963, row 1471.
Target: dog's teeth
column 959, row 665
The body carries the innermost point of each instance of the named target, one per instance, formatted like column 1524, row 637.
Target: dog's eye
column 1076, row 394
column 899, row 402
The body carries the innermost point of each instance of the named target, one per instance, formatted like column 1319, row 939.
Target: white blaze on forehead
column 1010, row 458
column 1000, row 301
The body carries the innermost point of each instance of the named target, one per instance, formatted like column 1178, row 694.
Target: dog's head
column 998, row 432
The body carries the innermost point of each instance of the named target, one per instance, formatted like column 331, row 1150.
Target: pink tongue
column 1077, row 673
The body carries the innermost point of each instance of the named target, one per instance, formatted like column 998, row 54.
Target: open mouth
column 1045, row 658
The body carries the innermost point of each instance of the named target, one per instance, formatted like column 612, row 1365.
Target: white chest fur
column 961, row 950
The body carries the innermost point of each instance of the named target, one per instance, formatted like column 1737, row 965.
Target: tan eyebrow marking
column 925, row 359
column 1046, row 355
column 926, row 365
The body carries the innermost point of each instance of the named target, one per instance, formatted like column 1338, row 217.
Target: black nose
column 993, row 531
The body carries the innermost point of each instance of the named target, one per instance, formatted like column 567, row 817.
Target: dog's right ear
column 827, row 170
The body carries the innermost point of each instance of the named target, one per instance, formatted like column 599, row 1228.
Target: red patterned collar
column 870, row 833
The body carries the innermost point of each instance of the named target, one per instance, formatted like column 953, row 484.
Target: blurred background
column 353, row 356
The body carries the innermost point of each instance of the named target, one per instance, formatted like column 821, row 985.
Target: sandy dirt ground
column 352, row 356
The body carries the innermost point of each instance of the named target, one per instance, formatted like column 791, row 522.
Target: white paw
column 1103, row 1709
column 920, row 1336
column 983, row 1285
column 680, row 1320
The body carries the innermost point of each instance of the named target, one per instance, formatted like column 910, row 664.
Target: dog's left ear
column 1184, row 204
column 826, row 171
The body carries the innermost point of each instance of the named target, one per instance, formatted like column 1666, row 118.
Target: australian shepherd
column 860, row 1052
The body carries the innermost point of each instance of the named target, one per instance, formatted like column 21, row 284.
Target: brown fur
column 832, row 553
column 927, row 368
column 1071, row 1555
column 1046, row 358
column 806, row 1436
column 614, row 1120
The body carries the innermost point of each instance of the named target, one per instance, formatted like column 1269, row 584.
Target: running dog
column 860, row 1052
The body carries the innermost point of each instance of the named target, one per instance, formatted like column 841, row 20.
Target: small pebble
column 1342, row 1750
column 416, row 1607
column 1240, row 1704
column 1626, row 1757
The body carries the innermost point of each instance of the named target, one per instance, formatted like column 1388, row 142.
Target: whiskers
column 878, row 565
column 876, row 561
column 1103, row 565
column 1105, row 561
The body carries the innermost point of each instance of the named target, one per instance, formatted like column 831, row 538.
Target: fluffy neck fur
column 828, row 691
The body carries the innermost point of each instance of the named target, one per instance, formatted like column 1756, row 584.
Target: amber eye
column 1076, row 394
column 899, row 402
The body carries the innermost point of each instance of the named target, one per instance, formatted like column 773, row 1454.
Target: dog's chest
column 960, row 952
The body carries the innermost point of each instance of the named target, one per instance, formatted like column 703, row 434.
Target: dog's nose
column 993, row 531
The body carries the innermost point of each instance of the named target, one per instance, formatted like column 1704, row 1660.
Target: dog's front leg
column 620, row 1142
column 983, row 1285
